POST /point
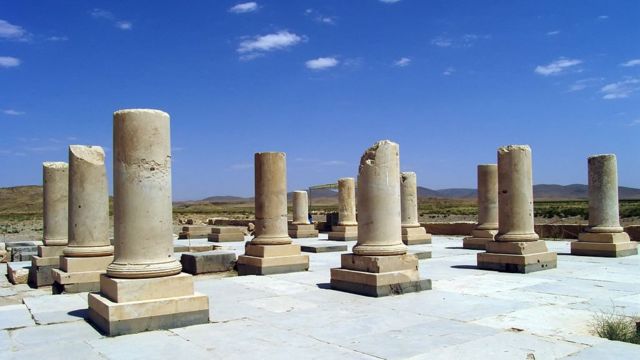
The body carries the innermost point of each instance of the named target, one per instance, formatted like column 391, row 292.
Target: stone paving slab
column 150, row 345
column 44, row 335
column 15, row 316
column 607, row 350
column 50, row 309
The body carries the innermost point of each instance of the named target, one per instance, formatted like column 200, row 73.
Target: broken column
column 412, row 232
column 300, row 226
column 55, row 185
column 517, row 248
column 487, row 227
column 271, row 251
column 347, row 228
column 143, row 288
column 89, row 250
column 379, row 264
column 604, row 236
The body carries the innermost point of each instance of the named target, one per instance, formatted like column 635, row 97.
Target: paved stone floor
column 469, row 314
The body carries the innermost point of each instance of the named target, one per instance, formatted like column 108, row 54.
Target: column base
column 479, row 239
column 344, row 233
column 604, row 245
column 415, row 236
column 194, row 231
column 271, row 259
column 48, row 258
column 298, row 231
column 226, row 237
column 378, row 276
column 208, row 262
column 79, row 274
column 517, row 257
column 129, row 306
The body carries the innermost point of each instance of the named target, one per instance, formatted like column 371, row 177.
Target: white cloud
column 244, row 8
column 603, row 17
column 12, row 32
column 402, row 62
column 583, row 84
column 449, row 71
column 389, row 1
column 320, row 18
column 322, row 63
column 621, row 89
column 12, row 112
column 57, row 38
column 124, row 25
column 630, row 63
column 556, row 67
column 635, row 122
column 554, row 32
column 259, row 44
column 8, row 61
column 442, row 41
column 466, row 40
column 332, row 163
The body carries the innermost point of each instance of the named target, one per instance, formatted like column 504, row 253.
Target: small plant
column 616, row 327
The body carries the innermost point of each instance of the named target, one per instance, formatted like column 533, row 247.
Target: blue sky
column 322, row 81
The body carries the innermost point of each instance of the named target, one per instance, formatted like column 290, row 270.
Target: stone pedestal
column 208, row 262
column 226, row 234
column 143, row 288
column 195, row 231
column 271, row 251
column 347, row 228
column 487, row 227
column 300, row 226
column 379, row 264
column 89, row 250
column 604, row 236
column 517, row 248
column 412, row 232
column 55, row 192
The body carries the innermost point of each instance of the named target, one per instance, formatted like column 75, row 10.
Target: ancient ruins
column 487, row 227
column 347, row 228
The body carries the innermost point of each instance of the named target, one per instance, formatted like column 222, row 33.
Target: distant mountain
column 225, row 199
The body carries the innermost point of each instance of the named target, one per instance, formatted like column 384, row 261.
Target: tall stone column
column 517, row 247
column 379, row 264
column 347, row 228
column 55, row 193
column 412, row 232
column 300, row 226
column 487, row 227
column 89, row 251
column 143, row 288
column 271, row 251
column 604, row 236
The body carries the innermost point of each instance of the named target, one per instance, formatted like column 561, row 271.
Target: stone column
column 143, row 288
column 487, row 226
column 89, row 251
column 55, row 184
column 604, row 236
column 517, row 247
column 55, row 203
column 347, row 228
column 271, row 251
column 379, row 264
column 143, row 223
column 300, row 226
column 412, row 232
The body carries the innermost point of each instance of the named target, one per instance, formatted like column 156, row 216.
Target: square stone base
column 299, row 231
column 322, row 248
column 475, row 243
column 620, row 249
column 18, row 272
column 344, row 233
column 41, row 265
column 415, row 236
column 129, row 306
column 271, row 259
column 517, row 263
column 79, row 274
column 378, row 275
column 208, row 262
column 226, row 237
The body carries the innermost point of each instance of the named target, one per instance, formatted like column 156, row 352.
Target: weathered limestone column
column 412, row 232
column 271, row 251
column 89, row 251
column 517, row 247
column 487, row 227
column 347, row 228
column 144, row 288
column 604, row 236
column 379, row 264
column 55, row 185
column 300, row 226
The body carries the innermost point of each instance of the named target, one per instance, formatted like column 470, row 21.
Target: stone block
column 226, row 237
column 208, row 262
column 194, row 231
column 322, row 248
column 421, row 254
column 344, row 233
column 40, row 271
column 50, row 251
column 621, row 237
column 57, row 288
column 379, row 264
column 487, row 234
column 475, row 243
column 517, row 263
column 272, row 250
column 298, row 231
column 380, row 284
column 136, row 290
column 18, row 272
column 251, row 265
column 617, row 249
column 227, row 230
column 23, row 253
column 415, row 236
column 517, row 248
column 46, row 261
column 83, row 264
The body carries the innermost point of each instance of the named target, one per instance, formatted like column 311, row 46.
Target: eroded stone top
column 407, row 175
column 597, row 156
column 140, row 111
column 369, row 156
column 55, row 164
column 510, row 148
column 90, row 154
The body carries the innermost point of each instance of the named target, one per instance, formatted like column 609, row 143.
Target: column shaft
column 300, row 207
column 55, row 202
column 603, row 194
column 487, row 197
column 409, row 195
column 271, row 199
column 347, row 202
